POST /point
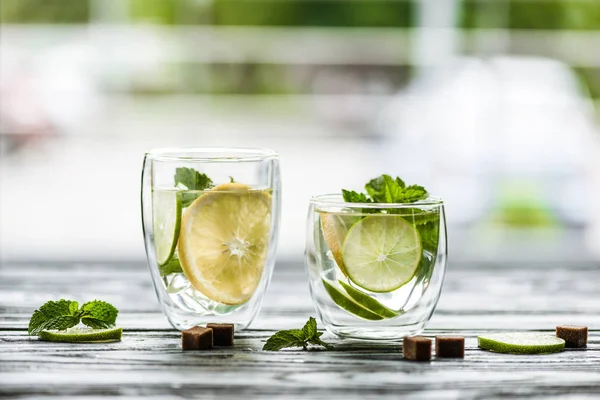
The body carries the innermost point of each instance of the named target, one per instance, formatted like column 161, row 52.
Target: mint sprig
column 297, row 338
column 190, row 179
column 64, row 314
column 385, row 189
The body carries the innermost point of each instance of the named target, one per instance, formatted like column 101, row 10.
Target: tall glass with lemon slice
column 375, row 269
column 210, row 219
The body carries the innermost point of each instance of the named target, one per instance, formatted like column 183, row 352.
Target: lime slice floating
column 166, row 221
column 349, row 304
column 335, row 227
column 224, row 242
column 368, row 302
column 521, row 343
column 381, row 253
column 82, row 335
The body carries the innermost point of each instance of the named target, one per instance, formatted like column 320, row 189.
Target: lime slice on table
column 381, row 253
column 521, row 342
column 83, row 335
column 166, row 206
column 348, row 303
column 224, row 241
column 368, row 302
column 335, row 227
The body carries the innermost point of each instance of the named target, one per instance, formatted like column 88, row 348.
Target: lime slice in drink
column 381, row 252
column 335, row 227
column 83, row 335
column 224, row 242
column 166, row 205
column 368, row 302
column 521, row 343
column 172, row 267
column 348, row 304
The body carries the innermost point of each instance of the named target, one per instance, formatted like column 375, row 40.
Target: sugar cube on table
column 450, row 346
column 222, row 334
column 574, row 336
column 416, row 348
column 197, row 338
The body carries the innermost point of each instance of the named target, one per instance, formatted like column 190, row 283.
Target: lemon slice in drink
column 166, row 212
column 335, row 227
column 381, row 252
column 224, row 241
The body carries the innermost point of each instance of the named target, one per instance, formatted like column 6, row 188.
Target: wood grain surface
column 149, row 363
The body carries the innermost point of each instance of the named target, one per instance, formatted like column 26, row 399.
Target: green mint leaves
column 191, row 179
column 350, row 196
column 60, row 315
column 63, row 314
column 297, row 338
column 99, row 314
column 385, row 189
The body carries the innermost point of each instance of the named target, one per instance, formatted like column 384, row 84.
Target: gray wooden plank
column 149, row 362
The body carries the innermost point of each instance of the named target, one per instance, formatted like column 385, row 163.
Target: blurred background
column 493, row 105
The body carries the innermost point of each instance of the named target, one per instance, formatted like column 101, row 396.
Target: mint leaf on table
column 296, row 338
column 191, row 179
column 64, row 314
column 99, row 314
column 60, row 314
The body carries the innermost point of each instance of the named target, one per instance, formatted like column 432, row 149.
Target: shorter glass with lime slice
column 375, row 269
column 210, row 219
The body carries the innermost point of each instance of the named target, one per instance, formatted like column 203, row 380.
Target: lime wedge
column 82, row 335
column 335, row 227
column 348, row 304
column 224, row 242
column 382, row 252
column 368, row 302
column 521, row 343
column 166, row 206
column 172, row 267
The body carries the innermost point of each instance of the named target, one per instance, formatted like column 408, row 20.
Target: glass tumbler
column 210, row 218
column 375, row 270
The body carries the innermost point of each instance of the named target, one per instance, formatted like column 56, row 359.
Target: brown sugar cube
column 197, row 338
column 416, row 348
column 450, row 346
column 574, row 336
column 222, row 334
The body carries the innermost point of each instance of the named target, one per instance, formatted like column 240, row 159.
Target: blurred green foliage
column 264, row 78
column 531, row 14
column 44, row 11
column 354, row 13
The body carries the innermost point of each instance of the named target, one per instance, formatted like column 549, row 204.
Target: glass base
column 376, row 333
column 183, row 320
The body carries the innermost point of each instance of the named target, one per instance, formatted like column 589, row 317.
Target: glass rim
column 219, row 154
column 334, row 199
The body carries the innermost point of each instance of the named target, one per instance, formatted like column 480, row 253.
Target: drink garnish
column 190, row 179
column 385, row 189
column 224, row 241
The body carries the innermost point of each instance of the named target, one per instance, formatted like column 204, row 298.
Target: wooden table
column 149, row 363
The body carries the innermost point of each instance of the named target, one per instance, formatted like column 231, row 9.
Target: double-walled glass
column 375, row 270
column 210, row 218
